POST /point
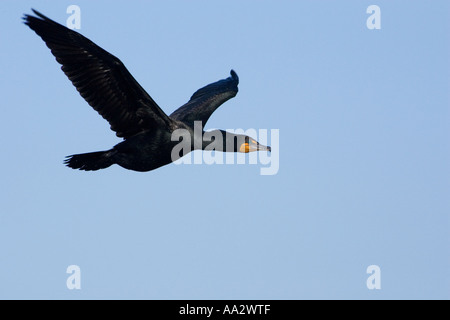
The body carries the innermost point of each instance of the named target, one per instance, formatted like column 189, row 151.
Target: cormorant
column 108, row 87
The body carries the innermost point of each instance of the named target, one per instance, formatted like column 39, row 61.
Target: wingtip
column 26, row 17
column 39, row 16
column 234, row 75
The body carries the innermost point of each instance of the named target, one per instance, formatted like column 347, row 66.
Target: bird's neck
column 220, row 140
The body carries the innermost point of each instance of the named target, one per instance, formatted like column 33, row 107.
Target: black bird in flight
column 109, row 88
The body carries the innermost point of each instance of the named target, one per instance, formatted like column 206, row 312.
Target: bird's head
column 230, row 142
column 249, row 144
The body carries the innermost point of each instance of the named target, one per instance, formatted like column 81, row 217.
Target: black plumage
column 104, row 82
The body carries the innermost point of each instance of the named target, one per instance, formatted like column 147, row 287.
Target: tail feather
column 90, row 161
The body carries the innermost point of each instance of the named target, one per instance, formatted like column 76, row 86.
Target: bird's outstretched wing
column 101, row 78
column 206, row 100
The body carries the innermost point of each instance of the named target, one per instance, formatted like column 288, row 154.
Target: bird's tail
column 90, row 161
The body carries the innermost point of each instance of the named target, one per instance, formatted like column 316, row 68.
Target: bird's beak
column 253, row 146
column 261, row 147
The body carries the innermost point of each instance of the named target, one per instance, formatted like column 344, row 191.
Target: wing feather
column 206, row 100
column 100, row 78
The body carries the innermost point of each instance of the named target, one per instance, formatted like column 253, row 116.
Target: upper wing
column 206, row 100
column 101, row 78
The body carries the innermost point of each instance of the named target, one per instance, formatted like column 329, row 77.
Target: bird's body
column 105, row 83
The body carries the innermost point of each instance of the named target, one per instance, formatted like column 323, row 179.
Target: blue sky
column 363, row 117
